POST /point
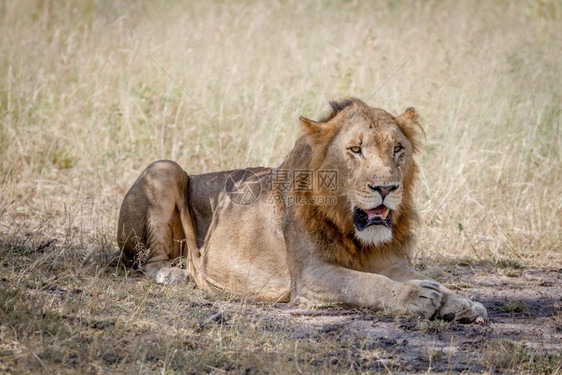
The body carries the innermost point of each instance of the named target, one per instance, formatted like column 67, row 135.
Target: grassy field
column 92, row 91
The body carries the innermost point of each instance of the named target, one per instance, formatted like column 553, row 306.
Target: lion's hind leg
column 166, row 244
column 151, row 210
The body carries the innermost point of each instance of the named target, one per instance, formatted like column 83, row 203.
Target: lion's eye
column 398, row 148
column 355, row 149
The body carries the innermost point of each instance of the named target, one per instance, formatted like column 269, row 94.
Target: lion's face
column 373, row 153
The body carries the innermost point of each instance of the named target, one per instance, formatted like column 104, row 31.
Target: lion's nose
column 383, row 190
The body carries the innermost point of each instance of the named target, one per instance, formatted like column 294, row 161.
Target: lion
column 333, row 223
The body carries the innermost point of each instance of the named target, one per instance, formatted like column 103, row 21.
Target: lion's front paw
column 171, row 275
column 420, row 297
column 463, row 310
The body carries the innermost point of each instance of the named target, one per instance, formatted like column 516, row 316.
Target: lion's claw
column 463, row 310
column 429, row 299
column 171, row 275
column 421, row 297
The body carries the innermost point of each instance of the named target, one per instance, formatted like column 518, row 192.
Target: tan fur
column 282, row 244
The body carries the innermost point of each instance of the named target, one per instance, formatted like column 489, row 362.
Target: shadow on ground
column 60, row 313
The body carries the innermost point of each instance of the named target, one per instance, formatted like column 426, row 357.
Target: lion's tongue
column 380, row 211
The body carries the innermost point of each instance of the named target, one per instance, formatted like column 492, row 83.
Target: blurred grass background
column 84, row 106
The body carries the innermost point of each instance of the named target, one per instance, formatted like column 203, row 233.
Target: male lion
column 332, row 223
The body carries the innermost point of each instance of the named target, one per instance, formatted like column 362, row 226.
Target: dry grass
column 84, row 107
column 507, row 356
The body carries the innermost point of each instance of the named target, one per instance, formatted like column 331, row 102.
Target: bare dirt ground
column 59, row 313
column 524, row 307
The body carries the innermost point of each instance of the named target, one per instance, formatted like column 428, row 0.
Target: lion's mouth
column 380, row 215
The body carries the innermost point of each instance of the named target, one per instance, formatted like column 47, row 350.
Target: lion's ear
column 317, row 133
column 409, row 123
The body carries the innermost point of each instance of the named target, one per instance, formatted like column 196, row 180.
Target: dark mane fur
column 337, row 107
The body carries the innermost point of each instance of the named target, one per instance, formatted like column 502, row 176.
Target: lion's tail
column 194, row 257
